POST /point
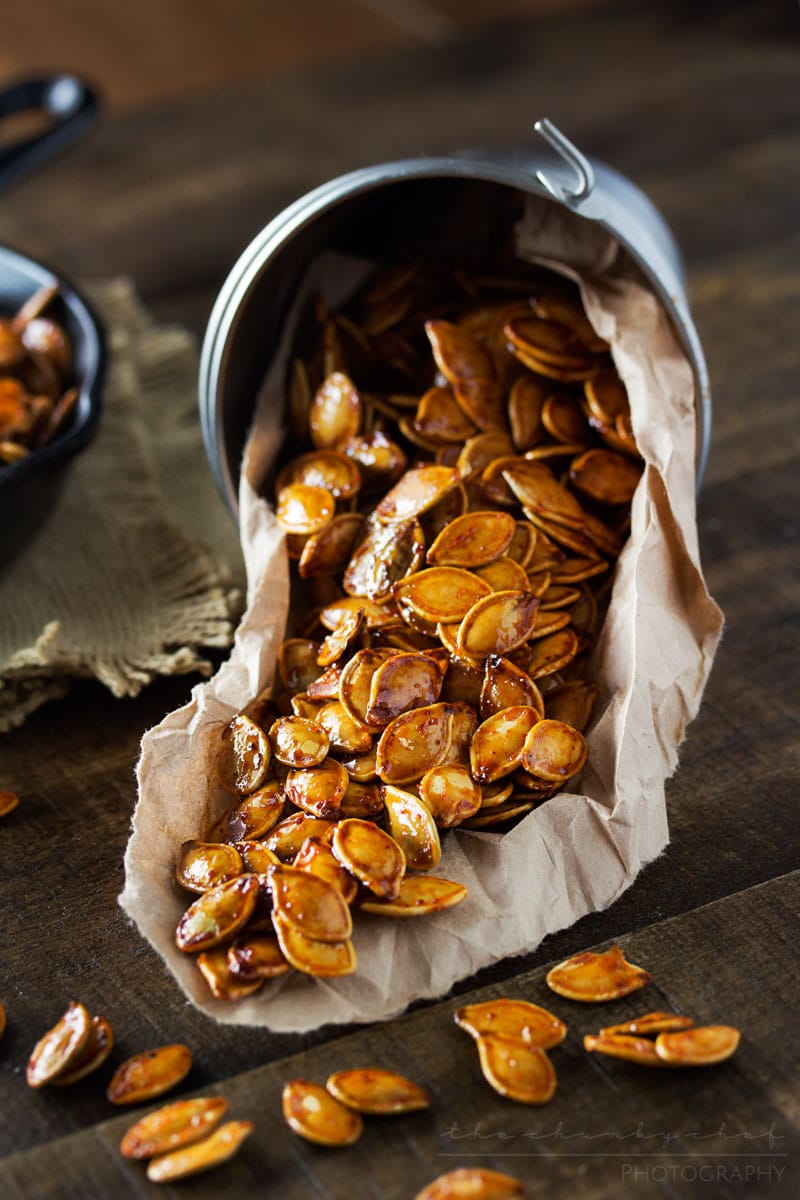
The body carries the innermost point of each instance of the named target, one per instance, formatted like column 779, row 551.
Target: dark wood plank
column 612, row 1128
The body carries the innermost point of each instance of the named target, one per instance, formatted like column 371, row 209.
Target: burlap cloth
column 138, row 568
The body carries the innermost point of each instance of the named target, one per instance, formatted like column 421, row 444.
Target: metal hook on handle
column 573, row 157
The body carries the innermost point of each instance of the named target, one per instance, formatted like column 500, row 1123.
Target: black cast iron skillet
column 29, row 487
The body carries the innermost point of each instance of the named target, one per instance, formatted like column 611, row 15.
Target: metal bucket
column 358, row 213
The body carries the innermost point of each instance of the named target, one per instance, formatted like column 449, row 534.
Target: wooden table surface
column 698, row 104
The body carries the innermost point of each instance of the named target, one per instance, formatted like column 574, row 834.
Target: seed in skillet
column 97, row 1049
column 699, row 1047
column 61, row 1047
column 473, row 1183
column 243, row 761
column 173, row 1126
column 516, row 1069
column 217, row 915
column 315, row 1115
column 514, row 1019
column 371, row 855
column 377, row 1092
column 418, row 896
column 624, row 1045
column 149, row 1074
column 592, row 977
column 8, row 802
column 201, row 1156
column 651, row 1024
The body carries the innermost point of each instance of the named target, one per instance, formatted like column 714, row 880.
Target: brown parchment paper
column 576, row 853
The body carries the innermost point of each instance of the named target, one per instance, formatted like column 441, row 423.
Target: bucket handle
column 573, row 158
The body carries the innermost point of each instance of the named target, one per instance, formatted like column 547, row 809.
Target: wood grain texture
column 702, row 113
column 612, row 1128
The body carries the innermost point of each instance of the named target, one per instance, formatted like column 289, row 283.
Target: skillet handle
column 69, row 103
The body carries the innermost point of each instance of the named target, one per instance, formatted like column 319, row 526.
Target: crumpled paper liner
column 577, row 852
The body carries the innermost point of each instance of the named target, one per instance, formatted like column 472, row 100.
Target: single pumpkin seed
column 592, row 977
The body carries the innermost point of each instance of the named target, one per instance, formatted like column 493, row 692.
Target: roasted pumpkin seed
column 498, row 623
column 698, row 1047
column 313, row 1113
column 412, row 826
column 243, row 760
column 650, row 1024
column 252, row 817
column 61, row 1048
column 374, row 858
column 377, row 1092
column 553, row 751
column 402, row 682
column 473, row 540
column 288, row 836
column 214, row 966
column 512, row 1019
column 622, row 1045
column 473, row 1183
column 298, row 742
column 604, row 476
column 451, row 794
column 516, row 1069
column 335, row 415
column 329, row 469
column 506, row 685
column 217, row 915
column 8, row 801
column 418, row 895
column 203, row 865
column 592, row 977
column 303, row 509
column 221, row 1145
column 417, row 491
column 319, row 791
column 326, row 960
column 498, row 744
column 255, row 956
column 149, row 1074
column 316, row 857
column 413, row 743
column 310, row 903
column 173, row 1126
